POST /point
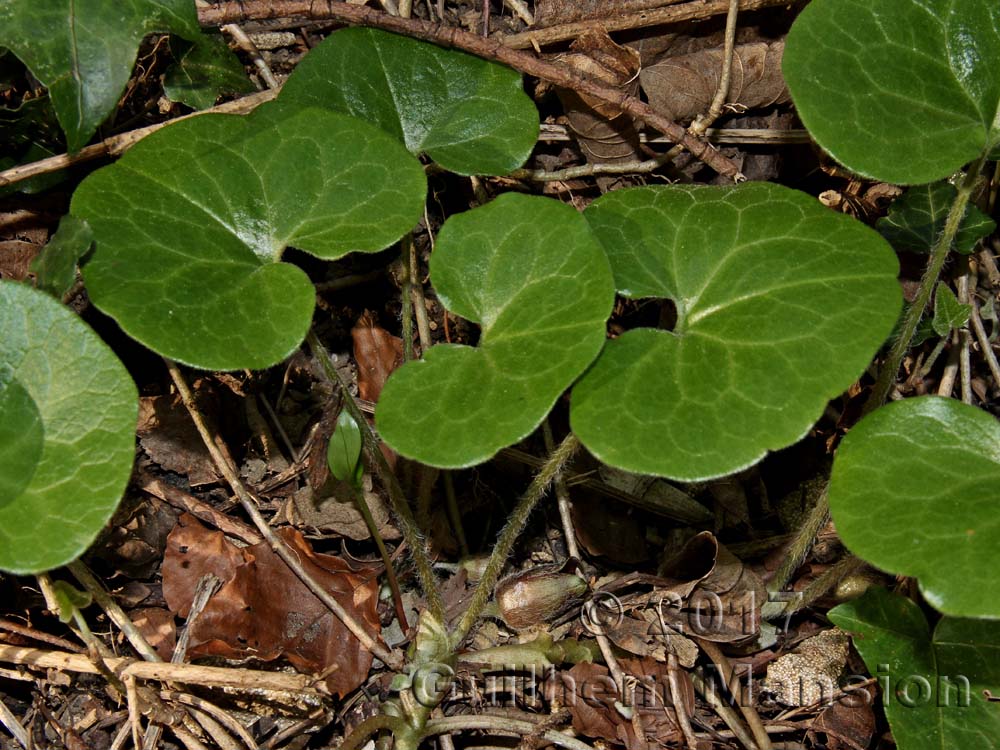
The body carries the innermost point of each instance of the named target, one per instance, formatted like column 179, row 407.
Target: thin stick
column 560, row 75
column 761, row 739
column 674, row 685
column 515, row 524
column 114, row 612
column 887, row 375
column 13, row 726
column 521, row 11
column 274, row 541
column 118, row 144
column 201, row 510
column 985, row 345
column 702, row 122
column 246, row 44
column 950, row 374
column 192, row 674
column 404, row 516
column 562, row 498
column 417, row 293
column 674, row 13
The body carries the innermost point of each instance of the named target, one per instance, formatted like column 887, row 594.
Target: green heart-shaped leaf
column 914, row 491
column 916, row 220
column 68, row 410
column 531, row 273
column 935, row 698
column 83, row 51
column 470, row 115
column 190, row 224
column 781, row 304
column 905, row 91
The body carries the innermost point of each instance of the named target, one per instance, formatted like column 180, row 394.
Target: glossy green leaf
column 914, row 491
column 949, row 313
column 916, row 220
column 344, row 452
column 931, row 686
column 68, row 411
column 204, row 71
column 905, row 91
column 530, row 272
column 469, row 115
column 55, row 266
column 84, row 50
column 190, row 224
column 781, row 304
column 27, row 134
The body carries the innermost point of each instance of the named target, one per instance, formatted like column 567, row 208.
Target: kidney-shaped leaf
column 190, row 224
column 914, row 491
column 84, row 50
column 531, row 273
column 935, row 698
column 68, row 411
column 905, row 91
column 781, row 304
column 470, row 115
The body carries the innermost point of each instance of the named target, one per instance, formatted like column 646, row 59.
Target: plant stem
column 390, row 572
column 356, row 739
column 556, row 462
column 407, row 525
column 281, row 549
column 407, row 296
column 501, row 724
column 797, row 551
column 887, row 375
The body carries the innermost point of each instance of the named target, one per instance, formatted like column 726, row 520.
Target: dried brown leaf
column 604, row 132
column 683, row 87
column 264, row 611
column 171, row 440
column 377, row 353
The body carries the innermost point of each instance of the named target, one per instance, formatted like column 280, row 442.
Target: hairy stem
column 407, row 524
column 515, row 524
column 939, row 253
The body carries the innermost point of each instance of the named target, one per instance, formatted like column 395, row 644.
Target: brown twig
column 236, row 11
column 191, row 674
column 118, row 144
column 728, row 674
column 689, row 11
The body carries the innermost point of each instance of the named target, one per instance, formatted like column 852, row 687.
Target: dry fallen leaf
column 263, row 610
column 606, row 135
column 589, row 693
column 683, row 87
column 171, row 440
column 377, row 353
